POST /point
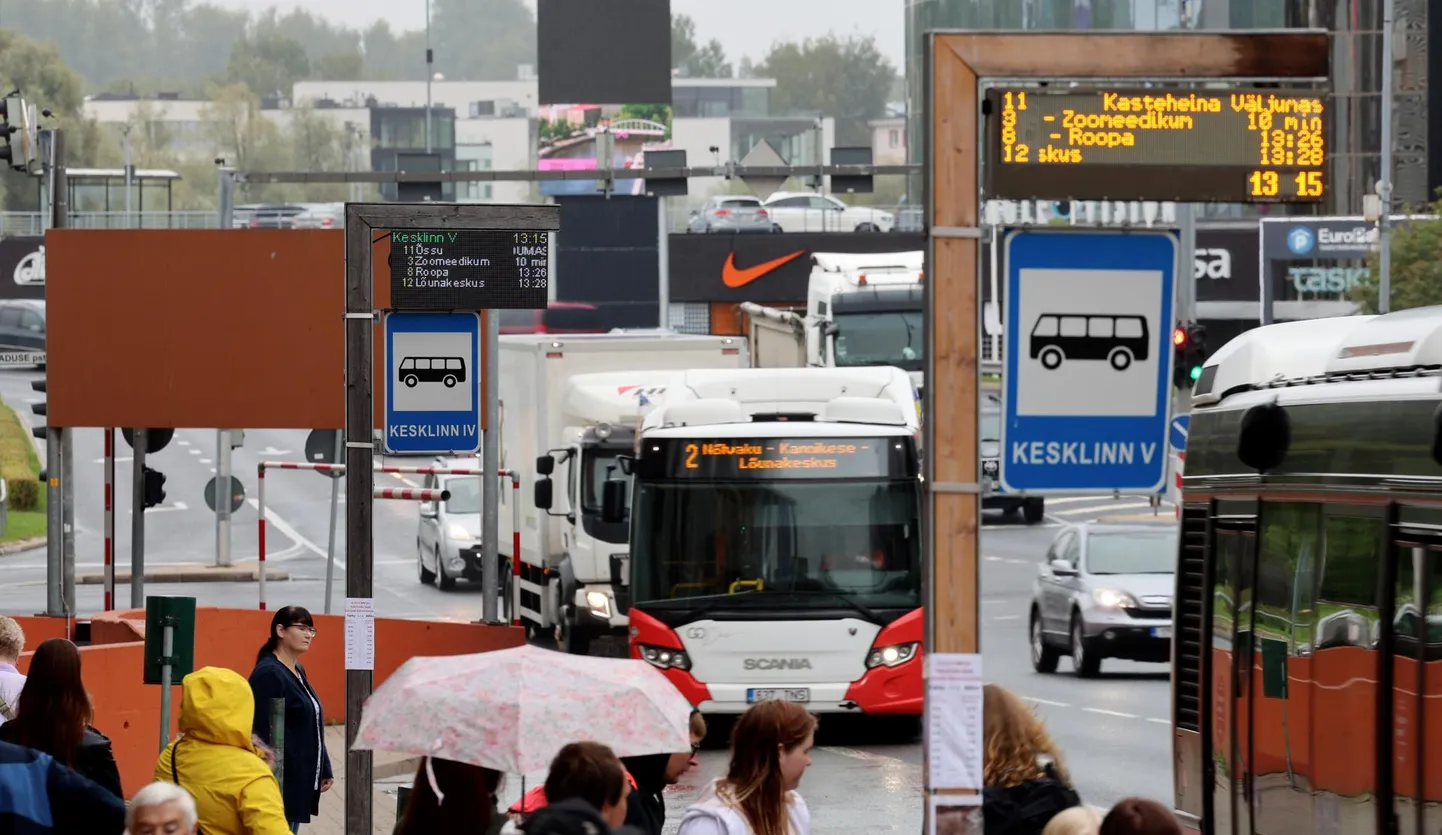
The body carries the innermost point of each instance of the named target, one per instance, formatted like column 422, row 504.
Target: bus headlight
column 891, row 656
column 665, row 659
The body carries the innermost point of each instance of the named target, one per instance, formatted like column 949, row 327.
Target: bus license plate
column 781, row 694
column 1161, row 632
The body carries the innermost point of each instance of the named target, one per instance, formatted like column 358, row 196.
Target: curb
column 188, row 574
column 21, row 545
column 399, row 768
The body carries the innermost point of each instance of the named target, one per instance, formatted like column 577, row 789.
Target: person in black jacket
column 53, row 715
column 279, row 675
column 646, row 808
column 33, row 786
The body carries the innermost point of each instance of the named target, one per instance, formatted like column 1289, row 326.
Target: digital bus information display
column 766, row 458
column 1195, row 146
column 469, row 269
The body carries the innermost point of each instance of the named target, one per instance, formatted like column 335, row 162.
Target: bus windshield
column 890, row 338
column 737, row 545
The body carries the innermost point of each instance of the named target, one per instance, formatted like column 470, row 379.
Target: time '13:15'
column 1301, row 184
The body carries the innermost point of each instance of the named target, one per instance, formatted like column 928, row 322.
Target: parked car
column 806, row 212
column 730, row 213
column 22, row 327
column 558, row 317
column 1104, row 591
column 320, row 216
column 266, row 216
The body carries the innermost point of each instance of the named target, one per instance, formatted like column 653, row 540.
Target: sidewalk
column 389, row 772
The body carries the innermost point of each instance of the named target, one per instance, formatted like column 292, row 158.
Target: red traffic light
column 1179, row 336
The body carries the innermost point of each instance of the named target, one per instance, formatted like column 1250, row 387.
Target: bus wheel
column 450, row 381
column 1121, row 359
column 1051, row 358
column 411, row 381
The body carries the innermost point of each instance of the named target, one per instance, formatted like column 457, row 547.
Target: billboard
column 577, row 137
column 619, row 50
column 765, row 268
column 22, row 268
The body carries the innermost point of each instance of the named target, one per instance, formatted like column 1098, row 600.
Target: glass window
column 892, row 338
column 1132, row 552
column 991, row 426
column 465, row 494
column 10, row 317
column 1290, row 535
column 1408, row 629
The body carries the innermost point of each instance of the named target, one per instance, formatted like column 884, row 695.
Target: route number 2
column 691, row 452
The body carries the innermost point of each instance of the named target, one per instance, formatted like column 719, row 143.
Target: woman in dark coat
column 279, row 675
column 53, row 715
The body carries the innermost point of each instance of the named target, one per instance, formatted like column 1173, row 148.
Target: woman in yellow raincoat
column 216, row 761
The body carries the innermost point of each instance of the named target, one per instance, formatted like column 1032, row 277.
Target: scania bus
column 776, row 539
column 1307, row 662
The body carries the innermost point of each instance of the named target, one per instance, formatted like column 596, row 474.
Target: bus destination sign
column 1193, row 146
column 469, row 269
column 769, row 458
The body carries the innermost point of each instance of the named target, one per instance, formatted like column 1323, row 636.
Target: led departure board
column 469, row 269
column 1193, row 146
column 790, row 458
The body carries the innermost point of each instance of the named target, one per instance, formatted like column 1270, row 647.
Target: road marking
column 295, row 536
column 1047, row 702
column 193, row 451
column 163, row 508
column 206, row 461
column 393, row 562
column 992, row 559
column 183, row 443
column 118, row 460
column 1019, row 562
column 1006, row 617
column 1106, row 712
column 1098, row 510
column 1166, row 722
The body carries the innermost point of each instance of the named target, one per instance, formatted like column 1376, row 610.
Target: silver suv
column 448, row 541
column 1104, row 591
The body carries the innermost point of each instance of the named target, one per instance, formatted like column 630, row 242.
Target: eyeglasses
column 695, row 748
column 309, row 630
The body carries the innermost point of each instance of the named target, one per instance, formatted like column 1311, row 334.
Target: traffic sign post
column 1088, row 361
column 433, row 396
column 1177, row 435
column 498, row 258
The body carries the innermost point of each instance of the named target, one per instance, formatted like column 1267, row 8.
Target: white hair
column 161, row 794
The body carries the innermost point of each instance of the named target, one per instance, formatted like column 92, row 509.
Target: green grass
column 17, row 456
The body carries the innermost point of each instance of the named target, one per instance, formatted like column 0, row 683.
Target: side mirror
column 827, row 328
column 428, row 510
column 613, row 501
column 542, row 493
column 1062, row 568
column 695, row 213
column 545, row 465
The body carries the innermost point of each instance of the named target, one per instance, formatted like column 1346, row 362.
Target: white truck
column 861, row 310
column 569, row 406
column 776, row 539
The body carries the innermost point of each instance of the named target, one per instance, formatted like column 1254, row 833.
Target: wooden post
column 956, row 63
column 359, row 482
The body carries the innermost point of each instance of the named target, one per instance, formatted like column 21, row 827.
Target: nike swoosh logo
column 732, row 276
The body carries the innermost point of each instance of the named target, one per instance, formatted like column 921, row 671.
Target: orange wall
column 128, row 711
column 39, row 629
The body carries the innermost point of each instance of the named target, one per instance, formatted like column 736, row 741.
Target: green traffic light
column 1196, row 372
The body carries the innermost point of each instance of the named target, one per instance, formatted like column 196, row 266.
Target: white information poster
column 360, row 633
column 954, row 726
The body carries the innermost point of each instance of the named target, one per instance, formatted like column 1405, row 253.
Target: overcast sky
column 744, row 27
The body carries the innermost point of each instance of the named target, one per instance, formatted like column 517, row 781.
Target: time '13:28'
column 531, row 283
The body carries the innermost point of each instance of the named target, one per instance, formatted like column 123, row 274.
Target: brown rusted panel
column 955, row 344
column 201, row 328
column 1141, row 54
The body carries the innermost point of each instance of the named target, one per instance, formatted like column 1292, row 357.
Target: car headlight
column 1113, row 599
column 665, row 658
column 459, row 533
column 599, row 604
column 891, row 656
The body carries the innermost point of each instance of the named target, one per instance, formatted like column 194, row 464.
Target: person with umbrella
column 653, row 773
column 588, row 793
column 452, row 797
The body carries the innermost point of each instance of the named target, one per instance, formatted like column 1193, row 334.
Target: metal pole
column 223, row 491
column 359, row 484
column 129, row 175
column 225, row 178
column 260, row 530
column 663, row 263
column 430, row 74
column 1186, row 263
column 1384, row 184
column 490, row 463
column 54, row 526
column 60, row 203
column 334, row 511
column 109, row 518
column 167, row 646
column 137, row 521
column 1264, row 263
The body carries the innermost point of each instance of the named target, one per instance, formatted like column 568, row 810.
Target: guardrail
column 403, row 494
column 23, row 224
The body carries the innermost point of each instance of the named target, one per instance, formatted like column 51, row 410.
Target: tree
column 1416, row 271
column 268, row 62
column 696, row 61
column 479, row 40
column 849, row 80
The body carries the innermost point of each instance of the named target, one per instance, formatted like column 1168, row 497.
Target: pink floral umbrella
column 511, row 710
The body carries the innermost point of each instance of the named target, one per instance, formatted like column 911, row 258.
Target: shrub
column 24, row 493
column 18, row 464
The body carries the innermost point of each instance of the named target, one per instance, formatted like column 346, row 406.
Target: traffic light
column 1196, row 351
column 154, row 487
column 38, row 408
column 1181, row 339
column 20, row 148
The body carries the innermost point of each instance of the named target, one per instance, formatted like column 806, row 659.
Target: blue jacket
column 306, row 759
column 39, row 796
